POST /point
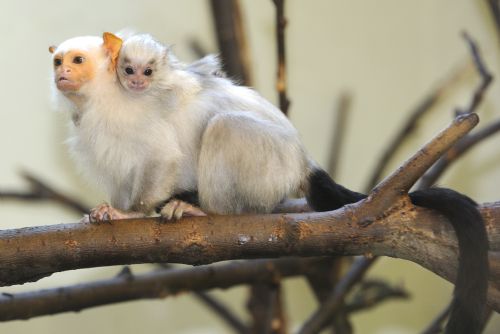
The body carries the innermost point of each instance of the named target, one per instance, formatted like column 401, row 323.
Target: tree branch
column 341, row 113
column 231, row 39
column 281, row 23
column 410, row 125
column 484, row 73
column 156, row 284
column 41, row 191
column 454, row 153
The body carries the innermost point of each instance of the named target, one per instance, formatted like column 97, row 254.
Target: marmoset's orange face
column 77, row 60
column 72, row 69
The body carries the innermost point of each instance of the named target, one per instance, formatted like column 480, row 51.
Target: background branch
column 41, row 191
column 156, row 284
column 231, row 39
column 281, row 22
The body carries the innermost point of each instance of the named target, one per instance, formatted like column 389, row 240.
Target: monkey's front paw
column 177, row 208
column 105, row 212
column 102, row 212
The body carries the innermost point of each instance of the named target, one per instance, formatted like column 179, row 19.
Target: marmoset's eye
column 57, row 62
column 78, row 60
column 129, row 70
column 148, row 72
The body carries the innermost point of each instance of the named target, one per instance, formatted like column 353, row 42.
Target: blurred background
column 387, row 54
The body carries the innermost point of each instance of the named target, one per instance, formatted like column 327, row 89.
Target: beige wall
column 388, row 53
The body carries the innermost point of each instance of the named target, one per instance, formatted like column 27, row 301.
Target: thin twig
column 215, row 306
column 495, row 12
column 485, row 74
column 222, row 311
column 371, row 293
column 462, row 147
column 410, row 125
column 335, row 300
column 281, row 85
column 41, row 191
column 341, row 113
column 197, row 48
column 436, row 325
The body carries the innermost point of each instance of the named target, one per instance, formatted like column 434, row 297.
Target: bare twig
column 485, row 74
column 335, row 300
column 436, row 325
column 453, row 154
column 469, row 141
column 41, row 191
column 371, row 293
column 281, row 23
column 410, row 125
column 341, row 113
column 232, row 39
column 215, row 306
column 157, row 284
column 222, row 311
column 197, row 48
column 495, row 11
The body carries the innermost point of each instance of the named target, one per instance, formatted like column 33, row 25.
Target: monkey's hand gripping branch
column 386, row 223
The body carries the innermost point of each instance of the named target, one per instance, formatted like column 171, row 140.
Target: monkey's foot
column 177, row 208
column 105, row 212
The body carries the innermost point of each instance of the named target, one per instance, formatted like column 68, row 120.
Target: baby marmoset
column 240, row 152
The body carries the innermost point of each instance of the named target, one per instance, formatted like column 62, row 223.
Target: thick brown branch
column 410, row 233
column 403, row 178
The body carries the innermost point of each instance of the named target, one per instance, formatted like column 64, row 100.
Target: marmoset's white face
column 141, row 61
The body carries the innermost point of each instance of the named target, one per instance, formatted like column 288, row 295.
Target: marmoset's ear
column 112, row 45
column 52, row 48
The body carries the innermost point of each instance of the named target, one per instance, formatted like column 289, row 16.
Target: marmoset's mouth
column 137, row 89
column 64, row 84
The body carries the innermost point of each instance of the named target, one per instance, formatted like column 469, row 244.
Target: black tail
column 472, row 277
column 325, row 195
column 471, row 285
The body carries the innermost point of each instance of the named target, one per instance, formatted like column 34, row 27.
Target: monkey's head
column 78, row 60
column 142, row 63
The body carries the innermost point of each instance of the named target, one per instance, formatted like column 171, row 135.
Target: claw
column 177, row 209
column 105, row 213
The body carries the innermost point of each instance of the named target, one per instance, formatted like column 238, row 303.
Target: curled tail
column 471, row 285
column 467, row 310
